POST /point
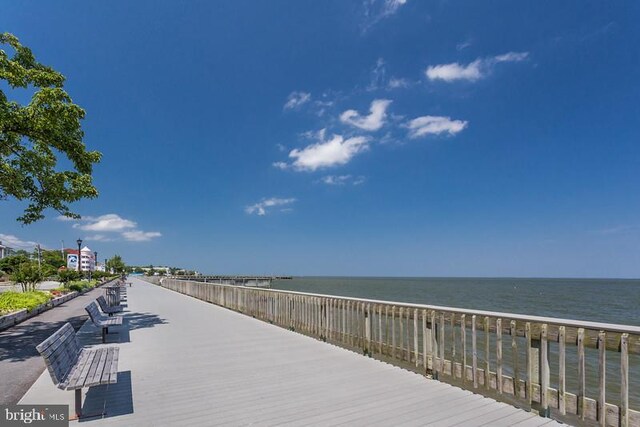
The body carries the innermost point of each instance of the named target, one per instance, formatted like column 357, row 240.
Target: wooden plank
column 602, row 378
column 562, row 404
column 544, row 371
column 624, row 380
column 499, row 354
column 529, row 380
column 401, row 321
column 435, row 366
column 463, row 342
column 453, row 345
column 415, row 337
column 441, row 343
column 514, row 357
column 581, row 374
column 393, row 332
column 487, row 354
column 474, row 352
column 425, row 339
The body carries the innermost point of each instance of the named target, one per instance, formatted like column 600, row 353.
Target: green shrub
column 66, row 276
column 11, row 301
column 75, row 287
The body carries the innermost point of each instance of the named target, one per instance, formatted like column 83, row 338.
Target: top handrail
column 612, row 327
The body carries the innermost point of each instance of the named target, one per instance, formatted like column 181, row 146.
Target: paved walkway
column 186, row 362
column 20, row 363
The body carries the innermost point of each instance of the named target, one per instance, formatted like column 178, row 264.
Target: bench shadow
column 113, row 399
column 19, row 342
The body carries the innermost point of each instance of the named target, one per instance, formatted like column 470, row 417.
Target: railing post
column 367, row 330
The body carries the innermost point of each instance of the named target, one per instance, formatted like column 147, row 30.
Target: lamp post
column 95, row 260
column 79, row 242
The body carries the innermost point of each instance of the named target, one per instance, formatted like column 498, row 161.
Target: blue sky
column 388, row 137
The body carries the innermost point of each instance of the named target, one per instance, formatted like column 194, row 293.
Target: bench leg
column 78, row 408
column 105, row 331
column 78, row 405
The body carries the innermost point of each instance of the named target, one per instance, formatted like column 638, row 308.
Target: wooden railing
column 589, row 373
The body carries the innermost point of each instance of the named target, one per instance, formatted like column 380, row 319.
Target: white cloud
column 511, row 57
column 473, row 71
column 378, row 75
column 15, row 242
column 140, row 236
column 398, row 83
column 99, row 238
column 296, row 100
column 108, row 222
column 377, row 10
column 372, row 122
column 463, row 45
column 261, row 208
column 327, row 153
column 342, row 179
column 112, row 223
column 434, row 125
column 280, row 165
column 455, row 71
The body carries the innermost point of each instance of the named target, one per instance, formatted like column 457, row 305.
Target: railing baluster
column 424, row 341
column 529, row 382
column 401, row 316
column 624, row 380
column 602, row 377
column 581, row 375
column 434, row 346
column 562, row 399
column 499, row 355
column 453, row 346
column 487, row 354
column 474, row 352
column 441, row 343
column 393, row 332
column 415, row 336
column 463, row 341
column 544, row 371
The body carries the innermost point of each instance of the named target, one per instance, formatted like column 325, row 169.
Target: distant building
column 5, row 251
column 87, row 259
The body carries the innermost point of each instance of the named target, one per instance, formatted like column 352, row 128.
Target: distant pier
column 248, row 281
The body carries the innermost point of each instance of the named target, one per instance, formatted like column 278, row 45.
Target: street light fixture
column 79, row 242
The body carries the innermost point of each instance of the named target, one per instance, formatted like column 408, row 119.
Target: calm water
column 601, row 300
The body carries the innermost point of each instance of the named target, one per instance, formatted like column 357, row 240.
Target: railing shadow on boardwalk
column 113, row 399
column 19, row 343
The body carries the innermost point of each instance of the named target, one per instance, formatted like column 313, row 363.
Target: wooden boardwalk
column 186, row 362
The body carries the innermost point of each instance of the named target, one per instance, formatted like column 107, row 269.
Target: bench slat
column 97, row 376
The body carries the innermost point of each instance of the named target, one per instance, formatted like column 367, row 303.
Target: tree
column 32, row 135
column 10, row 264
column 150, row 272
column 65, row 276
column 27, row 275
column 116, row 264
column 53, row 258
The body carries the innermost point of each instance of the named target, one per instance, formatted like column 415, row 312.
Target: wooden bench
column 72, row 367
column 108, row 309
column 101, row 320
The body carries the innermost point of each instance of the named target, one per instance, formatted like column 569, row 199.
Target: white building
column 5, row 251
column 87, row 259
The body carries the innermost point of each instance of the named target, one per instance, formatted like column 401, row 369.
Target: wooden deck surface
column 186, row 362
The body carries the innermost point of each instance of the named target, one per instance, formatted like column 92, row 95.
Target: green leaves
column 34, row 135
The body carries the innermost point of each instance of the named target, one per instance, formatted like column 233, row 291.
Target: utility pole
column 39, row 257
